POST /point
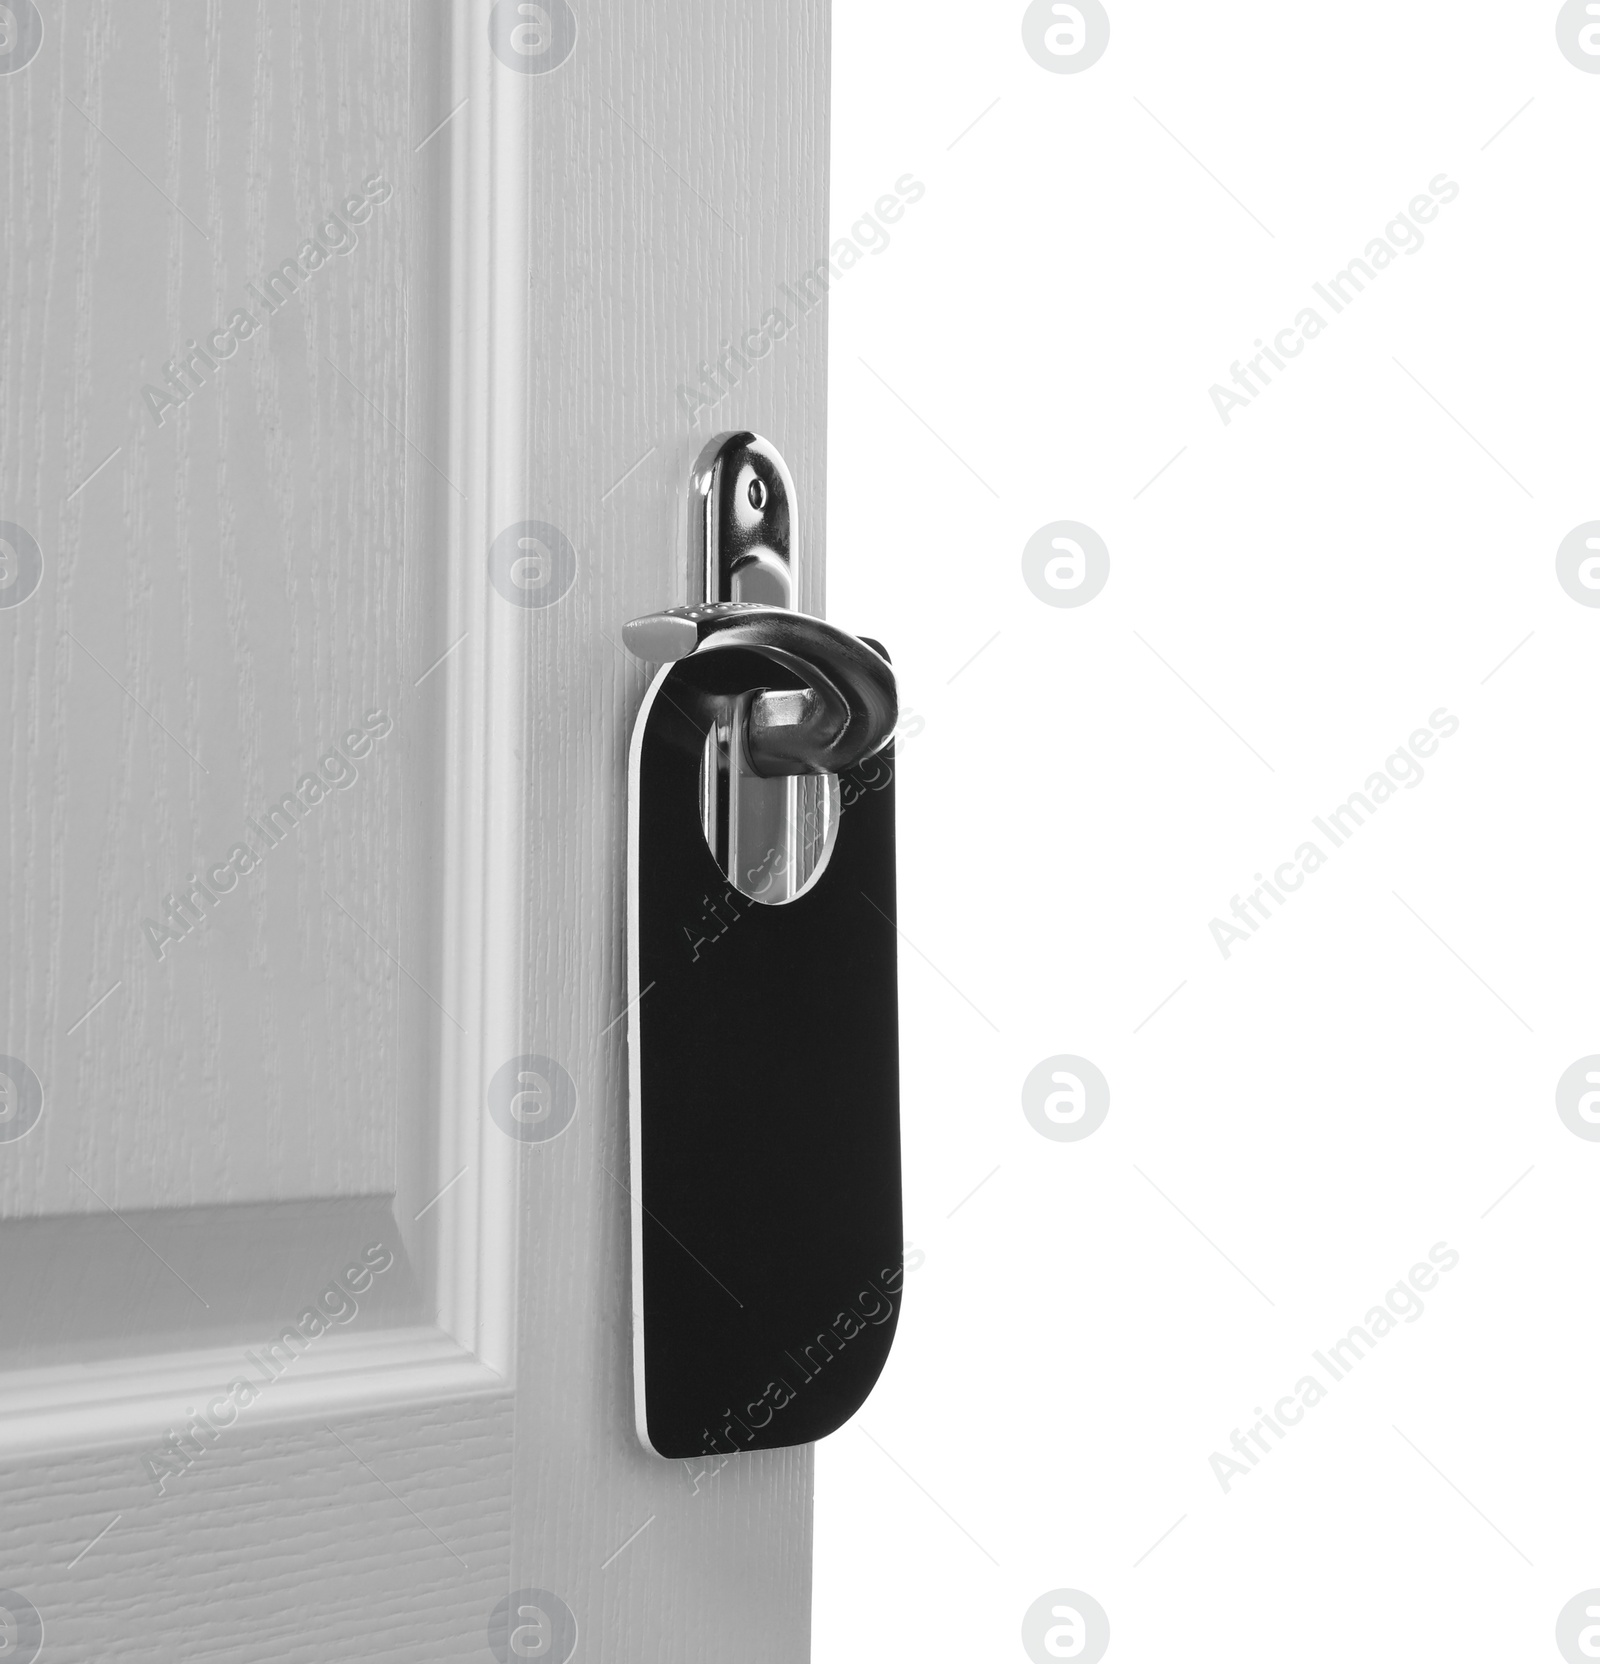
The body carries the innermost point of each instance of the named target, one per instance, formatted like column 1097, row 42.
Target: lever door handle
column 845, row 713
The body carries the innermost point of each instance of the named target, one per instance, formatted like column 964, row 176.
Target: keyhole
column 758, row 495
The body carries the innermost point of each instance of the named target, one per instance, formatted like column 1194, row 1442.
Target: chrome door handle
column 845, row 713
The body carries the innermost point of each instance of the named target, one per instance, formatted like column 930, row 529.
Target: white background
column 1366, row 1076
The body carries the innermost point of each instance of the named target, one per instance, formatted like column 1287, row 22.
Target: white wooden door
column 354, row 358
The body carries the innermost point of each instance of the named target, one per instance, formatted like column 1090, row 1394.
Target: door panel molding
column 69, row 1407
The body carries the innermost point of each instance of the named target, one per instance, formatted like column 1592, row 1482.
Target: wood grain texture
column 220, row 604
column 278, row 1544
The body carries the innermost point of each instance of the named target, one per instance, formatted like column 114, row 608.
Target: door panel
column 222, row 602
column 314, row 1334
column 288, row 1544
